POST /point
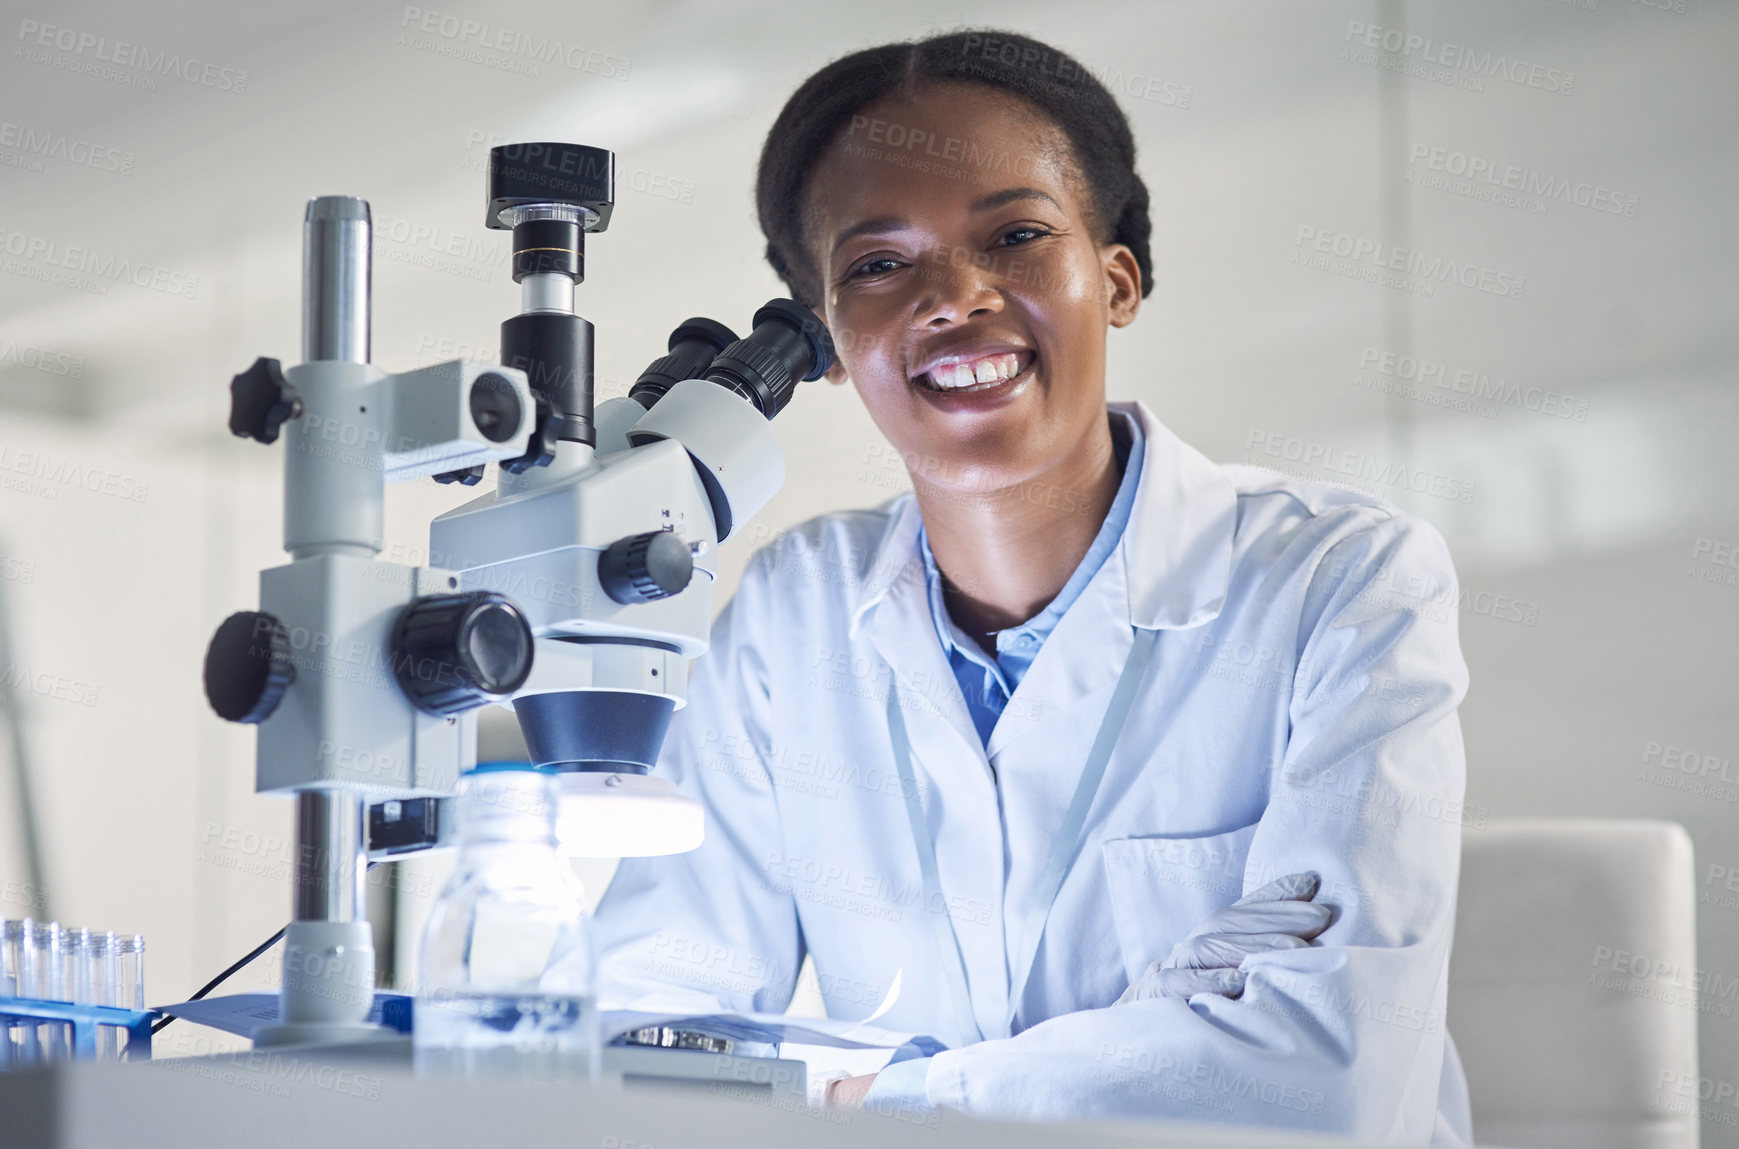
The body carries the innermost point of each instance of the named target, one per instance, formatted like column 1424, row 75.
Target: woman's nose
column 955, row 292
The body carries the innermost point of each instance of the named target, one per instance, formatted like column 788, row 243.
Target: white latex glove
column 1279, row 916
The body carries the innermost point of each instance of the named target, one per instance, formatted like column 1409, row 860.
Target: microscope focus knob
column 455, row 652
column 645, row 568
column 248, row 667
column 260, row 400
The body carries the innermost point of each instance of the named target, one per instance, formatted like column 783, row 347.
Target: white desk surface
column 278, row 1100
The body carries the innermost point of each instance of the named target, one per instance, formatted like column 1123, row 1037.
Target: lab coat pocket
column 1161, row 888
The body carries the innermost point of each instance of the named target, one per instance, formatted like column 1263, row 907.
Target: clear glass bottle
column 506, row 974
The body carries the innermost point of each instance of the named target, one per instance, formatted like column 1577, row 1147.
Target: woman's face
column 967, row 295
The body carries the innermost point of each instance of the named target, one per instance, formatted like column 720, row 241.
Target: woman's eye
column 873, row 267
column 1034, row 232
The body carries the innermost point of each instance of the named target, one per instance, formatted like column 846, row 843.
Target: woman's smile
column 979, row 384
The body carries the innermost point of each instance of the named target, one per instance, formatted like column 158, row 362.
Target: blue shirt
column 987, row 683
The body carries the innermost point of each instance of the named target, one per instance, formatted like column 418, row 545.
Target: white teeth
column 990, row 369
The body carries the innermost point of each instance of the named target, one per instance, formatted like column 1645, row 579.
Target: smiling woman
column 1075, row 839
column 966, row 216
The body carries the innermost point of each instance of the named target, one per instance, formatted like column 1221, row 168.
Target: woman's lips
column 990, row 368
column 979, row 396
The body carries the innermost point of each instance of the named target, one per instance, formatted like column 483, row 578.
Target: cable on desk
column 220, row 978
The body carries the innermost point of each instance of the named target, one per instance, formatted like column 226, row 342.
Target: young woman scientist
column 990, row 752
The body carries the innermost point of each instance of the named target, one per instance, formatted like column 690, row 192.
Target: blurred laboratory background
column 1553, row 369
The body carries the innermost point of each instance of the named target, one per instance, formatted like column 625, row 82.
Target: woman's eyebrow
column 882, row 224
column 997, row 199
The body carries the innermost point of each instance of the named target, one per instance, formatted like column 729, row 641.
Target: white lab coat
column 1299, row 713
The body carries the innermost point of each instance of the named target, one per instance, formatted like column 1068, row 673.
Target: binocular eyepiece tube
column 789, row 344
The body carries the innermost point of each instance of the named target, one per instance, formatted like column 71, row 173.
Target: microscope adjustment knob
column 248, row 667
column 455, row 652
column 645, row 568
column 260, row 401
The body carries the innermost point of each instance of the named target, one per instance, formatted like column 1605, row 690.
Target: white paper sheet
column 246, row 1014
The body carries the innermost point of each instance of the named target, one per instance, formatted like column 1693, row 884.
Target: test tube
column 11, row 939
column 40, row 970
column 76, row 967
column 75, row 975
column 129, row 973
column 103, row 981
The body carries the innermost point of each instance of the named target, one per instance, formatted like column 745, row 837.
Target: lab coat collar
column 1177, row 547
column 896, row 557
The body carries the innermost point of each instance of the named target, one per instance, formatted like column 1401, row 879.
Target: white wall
column 1592, row 522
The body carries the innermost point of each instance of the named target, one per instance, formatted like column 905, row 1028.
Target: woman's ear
column 837, row 372
column 1122, row 283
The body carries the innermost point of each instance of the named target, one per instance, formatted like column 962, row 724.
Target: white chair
column 1570, row 986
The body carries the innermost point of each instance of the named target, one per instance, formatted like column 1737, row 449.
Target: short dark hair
column 1052, row 82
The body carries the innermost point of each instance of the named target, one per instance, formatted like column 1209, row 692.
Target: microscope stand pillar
column 329, row 951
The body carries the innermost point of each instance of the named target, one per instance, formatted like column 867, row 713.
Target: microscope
column 569, row 593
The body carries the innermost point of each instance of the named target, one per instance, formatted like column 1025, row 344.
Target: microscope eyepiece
column 789, row 344
column 693, row 346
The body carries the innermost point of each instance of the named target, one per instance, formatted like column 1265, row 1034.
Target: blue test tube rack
column 85, row 1021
